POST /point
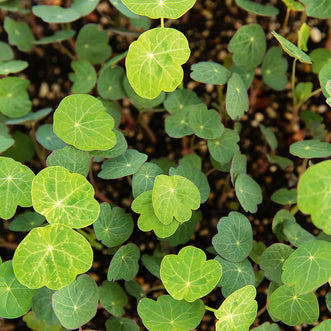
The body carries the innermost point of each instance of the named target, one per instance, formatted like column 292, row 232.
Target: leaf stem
column 293, row 77
column 210, row 309
column 309, row 96
column 210, row 171
column 90, row 237
column 162, row 22
column 288, row 11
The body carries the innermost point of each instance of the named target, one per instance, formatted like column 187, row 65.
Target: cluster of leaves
column 65, row 222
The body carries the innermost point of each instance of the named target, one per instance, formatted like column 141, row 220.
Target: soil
column 208, row 26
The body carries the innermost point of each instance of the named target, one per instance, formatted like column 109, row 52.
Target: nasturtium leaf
column 328, row 300
column 14, row 98
column 168, row 314
column 320, row 9
column 6, row 53
column 126, row 164
column 113, row 109
column 19, row 34
column 71, row 158
column 48, row 139
column 302, row 92
column 92, row 44
column 34, row 323
column 121, row 323
column 58, row 36
column 6, row 139
column 164, row 163
column 134, row 289
column 248, row 46
column 80, row 120
column 246, row 75
column 118, row 4
column 328, row 91
column 157, row 9
column 314, row 195
column 113, row 298
column 191, row 160
column 223, row 148
column 197, row 177
column 113, row 226
column 267, row 327
column 84, row 7
column 178, row 125
column 235, row 275
column 51, row 256
column 153, row 262
column 188, row 275
column 234, row 240
column 294, row 5
column 154, row 61
column 205, row 123
column 178, row 99
column 143, row 179
column 210, row 73
column 26, row 221
column 15, row 186
column 110, row 83
column 293, row 308
column 148, row 221
column 269, row 136
column 292, row 49
column 64, row 198
column 296, row 234
column 323, row 326
column 283, row 162
column 258, row 248
column 280, row 218
column 30, row 118
column 248, row 193
column 310, row 149
column 55, row 14
column 84, row 76
column 42, row 306
column 284, row 196
column 324, row 76
column 15, row 298
column 76, row 304
column 236, row 97
column 238, row 166
column 238, row 310
column 7, row 68
column 320, row 57
column 308, row 267
column 257, row 8
column 124, row 264
column 174, row 197
column 272, row 260
column 274, row 69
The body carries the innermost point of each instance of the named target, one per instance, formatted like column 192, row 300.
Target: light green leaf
column 58, row 36
column 274, row 69
column 205, row 123
column 124, row 264
column 223, row 148
column 7, row 68
column 235, row 275
column 191, row 160
column 178, row 125
column 320, row 9
column 110, row 83
column 6, row 52
column 30, row 118
column 19, row 34
column 56, row 14
column 80, row 120
column 292, row 49
column 148, row 221
column 174, row 197
column 42, row 306
column 26, row 221
column 234, row 240
column 84, row 76
column 314, row 196
column 236, row 97
column 248, row 193
column 328, row 300
column 154, row 61
column 178, row 99
column 15, row 298
column 324, row 76
column 6, row 139
column 84, row 7
column 323, row 326
column 71, row 158
column 310, row 149
column 238, row 166
column 297, row 235
column 308, row 267
column 302, row 91
column 40, row 257
column 237, row 311
column 15, row 186
column 64, row 198
column 118, row 4
column 303, row 36
column 188, row 275
column 257, row 8
column 48, row 139
column 92, row 44
column 14, row 99
column 293, row 308
column 320, row 57
column 294, row 5
column 210, row 73
column 157, row 9
column 284, row 196
column 34, row 323
column 113, row 226
column 121, row 323
column 267, row 327
column 248, row 46
column 113, row 298
column 124, row 165
column 168, row 314
column 280, row 218
column 76, row 304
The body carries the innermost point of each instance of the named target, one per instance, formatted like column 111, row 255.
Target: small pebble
column 315, row 35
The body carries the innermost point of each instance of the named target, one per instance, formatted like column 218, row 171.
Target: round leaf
column 280, row 218
column 12, row 67
column 121, row 324
column 324, row 76
column 310, row 149
column 80, row 120
column 26, row 221
column 48, row 139
column 84, row 7
column 64, row 198
column 6, row 53
column 238, row 166
column 84, row 76
column 118, row 4
column 257, row 8
column 55, row 14
column 154, row 61
column 177, row 125
column 188, row 275
column 110, row 83
column 320, row 9
column 51, row 256
column 30, row 118
column 284, row 196
column 210, row 73
column 42, row 306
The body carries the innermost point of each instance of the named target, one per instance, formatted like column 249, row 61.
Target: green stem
column 90, row 237
column 293, row 77
column 309, row 96
column 129, row 180
column 210, row 309
column 162, row 22
column 286, row 21
column 210, row 171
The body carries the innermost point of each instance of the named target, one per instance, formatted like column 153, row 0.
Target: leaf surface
column 210, row 73
column 55, row 14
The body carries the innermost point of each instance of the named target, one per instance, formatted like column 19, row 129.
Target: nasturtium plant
column 55, row 14
column 210, row 73
column 84, row 76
